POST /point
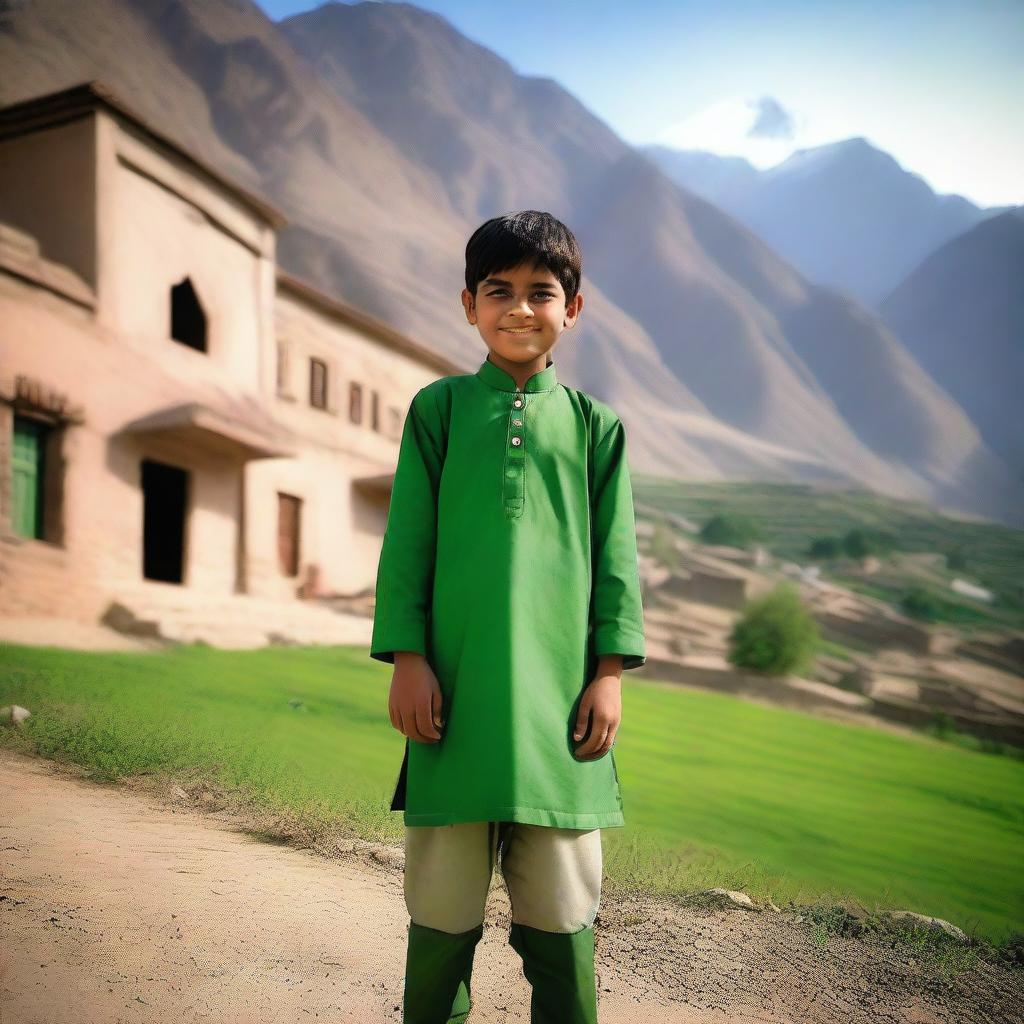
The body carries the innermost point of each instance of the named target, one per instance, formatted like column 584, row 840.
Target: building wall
column 132, row 219
column 48, row 190
column 99, row 546
column 342, row 521
column 160, row 226
column 155, row 224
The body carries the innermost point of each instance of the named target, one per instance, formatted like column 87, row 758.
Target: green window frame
column 28, row 473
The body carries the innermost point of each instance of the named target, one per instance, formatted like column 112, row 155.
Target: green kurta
column 509, row 561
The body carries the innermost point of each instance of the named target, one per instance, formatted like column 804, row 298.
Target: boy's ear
column 572, row 310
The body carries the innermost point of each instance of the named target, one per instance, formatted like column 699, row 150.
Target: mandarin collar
column 493, row 375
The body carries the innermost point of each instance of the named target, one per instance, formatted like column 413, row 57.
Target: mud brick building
column 176, row 412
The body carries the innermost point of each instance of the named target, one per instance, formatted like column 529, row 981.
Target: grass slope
column 717, row 791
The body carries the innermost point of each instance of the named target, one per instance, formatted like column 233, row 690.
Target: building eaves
column 381, row 331
column 77, row 101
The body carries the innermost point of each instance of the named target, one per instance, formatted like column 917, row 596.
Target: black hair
column 515, row 238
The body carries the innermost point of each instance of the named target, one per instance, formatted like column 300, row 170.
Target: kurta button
column 517, row 423
column 518, row 402
column 517, row 440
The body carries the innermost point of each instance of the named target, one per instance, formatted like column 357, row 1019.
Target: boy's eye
column 504, row 291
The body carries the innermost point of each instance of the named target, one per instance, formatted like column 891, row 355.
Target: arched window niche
column 188, row 318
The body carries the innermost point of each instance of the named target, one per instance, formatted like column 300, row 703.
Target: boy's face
column 520, row 312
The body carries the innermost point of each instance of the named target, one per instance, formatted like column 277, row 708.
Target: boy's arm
column 405, row 572
column 619, row 625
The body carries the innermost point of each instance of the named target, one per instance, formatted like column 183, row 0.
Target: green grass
column 717, row 791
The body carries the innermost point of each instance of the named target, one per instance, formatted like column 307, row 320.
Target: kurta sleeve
column 618, row 611
column 405, row 572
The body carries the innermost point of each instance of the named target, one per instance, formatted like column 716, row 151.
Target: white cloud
column 772, row 120
column 764, row 130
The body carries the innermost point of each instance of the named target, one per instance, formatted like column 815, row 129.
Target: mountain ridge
column 687, row 315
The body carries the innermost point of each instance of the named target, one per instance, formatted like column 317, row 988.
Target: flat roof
column 77, row 101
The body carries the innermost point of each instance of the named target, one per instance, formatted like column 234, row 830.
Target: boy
column 508, row 600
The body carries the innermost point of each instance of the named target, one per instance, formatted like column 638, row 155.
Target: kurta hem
column 525, row 815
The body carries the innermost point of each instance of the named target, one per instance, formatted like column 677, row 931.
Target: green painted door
column 27, row 476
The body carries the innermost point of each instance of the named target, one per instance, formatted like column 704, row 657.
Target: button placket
column 515, row 457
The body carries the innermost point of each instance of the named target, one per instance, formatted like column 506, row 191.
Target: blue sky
column 939, row 84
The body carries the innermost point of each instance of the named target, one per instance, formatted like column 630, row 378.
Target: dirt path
column 117, row 906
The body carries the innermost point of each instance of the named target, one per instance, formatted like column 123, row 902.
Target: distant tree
column 733, row 529
column 774, row 633
column 920, row 603
column 825, row 548
column 857, row 544
column 956, row 559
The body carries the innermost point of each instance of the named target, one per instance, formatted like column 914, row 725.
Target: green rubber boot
column 438, row 967
column 560, row 967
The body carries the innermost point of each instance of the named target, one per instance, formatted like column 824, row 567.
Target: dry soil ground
column 118, row 904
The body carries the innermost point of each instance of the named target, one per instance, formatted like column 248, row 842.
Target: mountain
column 387, row 136
column 961, row 315
column 847, row 215
column 526, row 142
column 721, row 180
column 224, row 82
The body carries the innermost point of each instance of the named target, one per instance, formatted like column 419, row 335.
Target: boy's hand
column 415, row 701
column 601, row 705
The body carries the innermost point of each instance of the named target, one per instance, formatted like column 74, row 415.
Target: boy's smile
column 520, row 313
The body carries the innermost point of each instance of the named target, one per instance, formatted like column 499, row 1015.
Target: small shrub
column 956, row 559
column 920, row 603
column 733, row 529
column 942, row 725
column 857, row 544
column 774, row 634
column 825, row 548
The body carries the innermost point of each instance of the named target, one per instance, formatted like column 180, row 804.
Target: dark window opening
column 188, row 320
column 289, row 514
column 164, row 502
column 355, row 403
column 318, row 384
column 375, row 410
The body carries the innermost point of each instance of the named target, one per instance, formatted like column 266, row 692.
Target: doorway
column 164, row 501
